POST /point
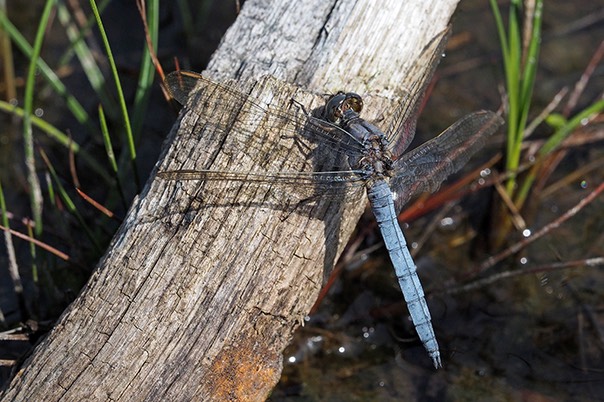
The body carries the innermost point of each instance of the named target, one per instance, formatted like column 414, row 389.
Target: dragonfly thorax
column 376, row 160
column 343, row 109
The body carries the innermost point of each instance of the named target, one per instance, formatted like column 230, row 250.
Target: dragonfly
column 368, row 159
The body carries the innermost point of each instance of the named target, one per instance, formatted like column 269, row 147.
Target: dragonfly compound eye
column 340, row 103
column 333, row 108
column 353, row 102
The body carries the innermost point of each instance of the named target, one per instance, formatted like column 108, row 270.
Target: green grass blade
column 33, row 252
column 76, row 109
column 513, row 73
column 51, row 190
column 57, row 135
column 186, row 16
column 69, row 204
column 111, row 155
column 86, row 59
column 13, row 267
column 520, row 71
column 36, row 200
column 147, row 71
column 122, row 101
column 107, row 140
column 551, row 144
column 5, row 222
column 83, row 31
column 564, row 131
column 530, row 66
column 512, row 66
column 505, row 50
column 529, row 70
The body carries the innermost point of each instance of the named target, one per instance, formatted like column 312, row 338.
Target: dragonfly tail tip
column 436, row 360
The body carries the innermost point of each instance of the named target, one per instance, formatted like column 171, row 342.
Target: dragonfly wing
column 401, row 130
column 276, row 153
column 234, row 108
column 280, row 190
column 427, row 166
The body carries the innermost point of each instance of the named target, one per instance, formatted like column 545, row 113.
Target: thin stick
column 589, row 262
column 491, row 261
column 37, row 242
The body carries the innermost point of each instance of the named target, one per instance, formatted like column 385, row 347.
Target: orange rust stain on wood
column 245, row 372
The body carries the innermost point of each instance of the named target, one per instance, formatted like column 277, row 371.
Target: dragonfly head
column 342, row 106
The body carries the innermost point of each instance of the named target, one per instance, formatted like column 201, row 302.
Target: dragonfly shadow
column 338, row 196
column 275, row 156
